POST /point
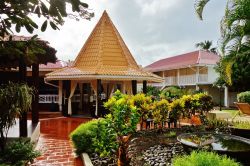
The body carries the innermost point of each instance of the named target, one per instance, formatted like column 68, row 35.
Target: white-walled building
column 193, row 70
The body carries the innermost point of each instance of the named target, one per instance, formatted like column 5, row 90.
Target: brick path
column 54, row 142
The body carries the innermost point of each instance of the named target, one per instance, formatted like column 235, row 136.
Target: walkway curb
column 86, row 160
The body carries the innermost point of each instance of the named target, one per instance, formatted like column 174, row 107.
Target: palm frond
column 199, row 7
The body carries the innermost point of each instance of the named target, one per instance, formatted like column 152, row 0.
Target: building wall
column 212, row 75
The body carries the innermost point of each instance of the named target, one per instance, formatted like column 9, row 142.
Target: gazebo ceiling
column 104, row 56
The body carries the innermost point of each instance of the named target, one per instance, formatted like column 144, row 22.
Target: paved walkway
column 54, row 142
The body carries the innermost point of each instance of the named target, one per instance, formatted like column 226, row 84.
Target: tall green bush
column 94, row 136
column 244, row 97
column 203, row 158
column 82, row 137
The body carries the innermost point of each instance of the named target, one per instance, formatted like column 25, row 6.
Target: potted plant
column 244, row 102
column 160, row 112
column 143, row 104
column 176, row 109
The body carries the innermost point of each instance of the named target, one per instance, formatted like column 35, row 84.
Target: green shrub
column 171, row 93
column 105, row 142
column 203, row 158
column 18, row 152
column 82, row 136
column 94, row 136
column 244, row 97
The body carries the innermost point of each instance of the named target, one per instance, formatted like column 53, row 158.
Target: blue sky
column 152, row 29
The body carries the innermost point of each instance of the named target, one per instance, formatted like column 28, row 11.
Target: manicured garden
column 123, row 137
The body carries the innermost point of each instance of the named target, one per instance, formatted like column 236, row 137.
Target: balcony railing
column 203, row 78
column 186, row 80
column 49, row 98
column 170, row 80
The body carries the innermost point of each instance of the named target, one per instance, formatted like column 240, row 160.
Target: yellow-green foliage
column 143, row 104
column 176, row 108
column 160, row 110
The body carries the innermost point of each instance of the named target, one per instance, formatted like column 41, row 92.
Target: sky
column 152, row 29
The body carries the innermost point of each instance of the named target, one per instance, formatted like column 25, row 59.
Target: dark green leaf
column 53, row 25
column 18, row 27
column 44, row 26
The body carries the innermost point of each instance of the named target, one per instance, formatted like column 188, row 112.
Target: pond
column 233, row 146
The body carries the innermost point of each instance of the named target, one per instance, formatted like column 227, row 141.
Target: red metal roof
column 199, row 57
column 59, row 64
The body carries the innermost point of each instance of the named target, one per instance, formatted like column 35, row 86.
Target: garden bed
column 148, row 147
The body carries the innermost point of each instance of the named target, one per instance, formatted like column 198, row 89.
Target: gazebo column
column 134, row 87
column 35, row 107
column 98, row 92
column 144, row 87
column 60, row 94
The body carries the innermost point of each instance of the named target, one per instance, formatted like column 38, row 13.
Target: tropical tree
column 206, row 45
column 19, row 13
column 22, row 53
column 14, row 100
column 235, row 40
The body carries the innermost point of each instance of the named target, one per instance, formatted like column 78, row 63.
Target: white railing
column 157, row 84
column 187, row 80
column 203, row 78
column 171, row 80
column 49, row 98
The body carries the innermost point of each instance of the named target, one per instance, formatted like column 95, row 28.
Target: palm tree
column 206, row 45
column 235, row 34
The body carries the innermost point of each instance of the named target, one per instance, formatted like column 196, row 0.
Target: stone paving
column 54, row 143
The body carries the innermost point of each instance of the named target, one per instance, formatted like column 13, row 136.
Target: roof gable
column 104, row 48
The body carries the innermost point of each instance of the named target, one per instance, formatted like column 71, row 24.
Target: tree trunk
column 122, row 154
column 35, row 107
column 2, row 141
column 22, row 79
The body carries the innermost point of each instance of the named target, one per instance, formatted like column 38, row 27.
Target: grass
column 171, row 134
column 203, row 158
column 233, row 113
column 242, row 125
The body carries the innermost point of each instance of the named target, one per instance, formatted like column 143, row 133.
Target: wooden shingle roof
column 104, row 56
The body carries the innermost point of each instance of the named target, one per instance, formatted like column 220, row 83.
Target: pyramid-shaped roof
column 104, row 56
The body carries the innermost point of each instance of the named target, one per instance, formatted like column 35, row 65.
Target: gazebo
column 103, row 65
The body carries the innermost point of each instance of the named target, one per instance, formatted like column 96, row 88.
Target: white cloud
column 152, row 7
column 152, row 29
